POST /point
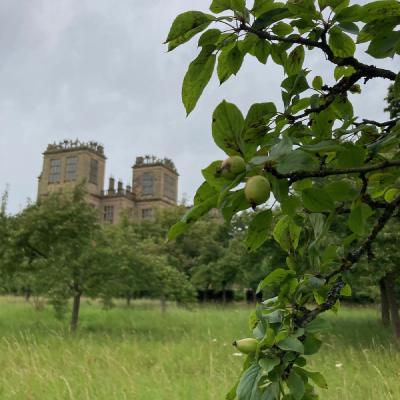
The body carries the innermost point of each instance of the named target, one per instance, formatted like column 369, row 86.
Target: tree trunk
column 27, row 293
column 128, row 299
column 393, row 305
column 224, row 295
column 163, row 303
column 75, row 311
column 385, row 310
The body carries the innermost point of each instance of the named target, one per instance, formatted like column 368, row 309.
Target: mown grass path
column 137, row 353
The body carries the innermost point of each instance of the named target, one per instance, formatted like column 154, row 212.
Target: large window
column 109, row 214
column 94, row 171
column 70, row 173
column 169, row 187
column 148, row 183
column 147, row 213
column 55, row 171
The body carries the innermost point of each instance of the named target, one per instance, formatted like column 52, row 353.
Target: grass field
column 137, row 353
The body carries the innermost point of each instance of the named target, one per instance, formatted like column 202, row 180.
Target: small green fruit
column 246, row 346
column 232, row 166
column 257, row 190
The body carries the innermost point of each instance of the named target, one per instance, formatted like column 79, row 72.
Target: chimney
column 111, row 183
column 120, row 187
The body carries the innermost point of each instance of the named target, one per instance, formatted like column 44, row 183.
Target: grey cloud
column 97, row 70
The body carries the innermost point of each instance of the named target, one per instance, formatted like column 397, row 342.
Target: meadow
column 138, row 353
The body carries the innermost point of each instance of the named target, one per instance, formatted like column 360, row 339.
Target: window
column 147, row 213
column 148, row 183
column 55, row 171
column 169, row 187
column 109, row 214
column 94, row 169
column 70, row 173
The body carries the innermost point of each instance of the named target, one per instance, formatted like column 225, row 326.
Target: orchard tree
column 55, row 242
column 315, row 154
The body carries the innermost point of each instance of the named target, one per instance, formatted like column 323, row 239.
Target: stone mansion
column 154, row 180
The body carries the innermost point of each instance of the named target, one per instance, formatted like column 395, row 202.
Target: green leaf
column 317, row 200
column 282, row 29
column 341, row 44
column 377, row 27
column 341, row 190
column 213, row 177
column 287, row 233
column 384, row 45
column 290, row 205
column 271, row 16
column 204, row 192
column 268, row 364
column 262, row 6
column 296, row 160
column 349, row 27
column 343, row 108
column 380, row 10
column 185, row 26
column 303, row 8
column 317, row 83
column 295, row 61
column 311, row 345
column 296, row 385
column 317, row 378
column 227, row 127
column 259, row 230
column 358, row 218
column 343, row 71
column 261, row 50
column 349, row 14
column 351, row 155
column 229, row 62
column 218, row 6
column 197, row 76
column 209, row 37
column 346, row 290
column 276, row 277
column 391, row 194
column 295, row 84
column 248, row 385
column 291, row 344
column 260, row 113
column 317, row 325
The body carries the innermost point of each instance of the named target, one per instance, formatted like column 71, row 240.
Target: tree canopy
column 314, row 154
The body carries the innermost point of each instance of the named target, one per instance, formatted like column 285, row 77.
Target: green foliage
column 324, row 165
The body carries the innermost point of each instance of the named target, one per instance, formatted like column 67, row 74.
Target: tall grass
column 137, row 353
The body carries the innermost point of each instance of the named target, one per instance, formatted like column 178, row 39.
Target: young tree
column 315, row 155
column 55, row 243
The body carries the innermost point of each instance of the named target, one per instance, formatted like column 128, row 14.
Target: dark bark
column 224, row 295
column 75, row 311
column 393, row 305
column 385, row 310
column 163, row 303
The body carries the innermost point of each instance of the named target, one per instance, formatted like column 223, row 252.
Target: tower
column 68, row 163
column 155, row 184
column 72, row 162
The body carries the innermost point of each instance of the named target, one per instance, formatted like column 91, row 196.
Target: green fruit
column 232, row 166
column 257, row 190
column 246, row 346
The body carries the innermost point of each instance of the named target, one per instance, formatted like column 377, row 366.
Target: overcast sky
column 97, row 70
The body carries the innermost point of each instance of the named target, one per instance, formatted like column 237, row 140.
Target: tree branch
column 298, row 175
column 347, row 263
column 369, row 71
